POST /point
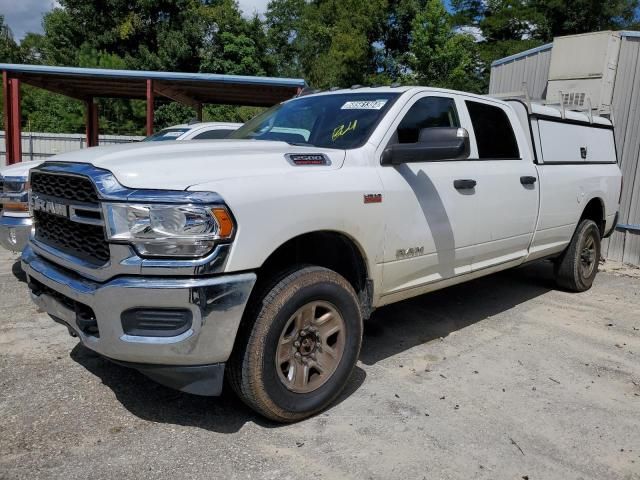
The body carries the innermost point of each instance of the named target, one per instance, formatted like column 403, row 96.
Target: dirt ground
column 503, row 377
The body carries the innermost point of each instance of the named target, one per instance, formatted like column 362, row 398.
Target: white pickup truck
column 258, row 258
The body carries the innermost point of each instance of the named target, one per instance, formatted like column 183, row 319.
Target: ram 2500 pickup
column 257, row 258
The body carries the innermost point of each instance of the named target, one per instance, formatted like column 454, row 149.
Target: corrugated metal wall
column 37, row 146
column 532, row 66
column 625, row 245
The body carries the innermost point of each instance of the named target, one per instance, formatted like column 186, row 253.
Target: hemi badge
column 372, row 198
column 305, row 159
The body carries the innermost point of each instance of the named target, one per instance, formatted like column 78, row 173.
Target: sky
column 24, row 16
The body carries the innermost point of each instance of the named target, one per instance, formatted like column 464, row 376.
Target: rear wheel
column 299, row 345
column 578, row 266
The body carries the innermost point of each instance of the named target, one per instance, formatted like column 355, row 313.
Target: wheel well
column 595, row 211
column 331, row 250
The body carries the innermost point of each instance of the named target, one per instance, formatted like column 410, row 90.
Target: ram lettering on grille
column 52, row 227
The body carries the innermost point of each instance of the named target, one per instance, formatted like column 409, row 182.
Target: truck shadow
column 390, row 331
column 401, row 326
column 435, row 214
column 150, row 401
column 18, row 273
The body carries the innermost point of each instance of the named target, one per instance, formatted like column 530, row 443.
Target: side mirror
column 434, row 144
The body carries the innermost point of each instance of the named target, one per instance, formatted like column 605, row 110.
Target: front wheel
column 299, row 345
column 578, row 266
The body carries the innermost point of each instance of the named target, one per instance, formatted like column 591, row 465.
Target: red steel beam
column 14, row 134
column 199, row 112
column 6, row 104
column 150, row 99
column 91, row 126
column 95, row 124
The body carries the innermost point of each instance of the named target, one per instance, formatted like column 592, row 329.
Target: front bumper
column 216, row 303
column 15, row 232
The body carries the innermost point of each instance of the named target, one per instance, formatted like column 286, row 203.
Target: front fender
column 272, row 210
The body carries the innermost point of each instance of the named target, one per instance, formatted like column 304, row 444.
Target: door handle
column 464, row 184
column 528, row 180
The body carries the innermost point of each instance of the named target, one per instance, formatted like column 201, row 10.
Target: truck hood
column 19, row 169
column 178, row 165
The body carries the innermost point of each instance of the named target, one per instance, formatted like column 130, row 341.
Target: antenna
column 527, row 97
column 590, row 109
column 611, row 115
column 563, row 114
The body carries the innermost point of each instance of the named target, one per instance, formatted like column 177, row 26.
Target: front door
column 431, row 226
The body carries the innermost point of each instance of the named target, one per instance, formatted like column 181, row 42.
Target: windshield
column 341, row 120
column 166, row 134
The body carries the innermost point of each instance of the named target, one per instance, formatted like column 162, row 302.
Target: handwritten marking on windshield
column 342, row 130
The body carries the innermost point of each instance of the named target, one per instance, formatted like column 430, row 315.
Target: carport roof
column 190, row 88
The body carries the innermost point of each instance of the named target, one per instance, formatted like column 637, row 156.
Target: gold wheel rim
column 310, row 347
column 588, row 260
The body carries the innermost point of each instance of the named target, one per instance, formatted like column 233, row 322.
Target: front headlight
column 168, row 230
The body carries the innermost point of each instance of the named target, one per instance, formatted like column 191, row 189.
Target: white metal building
column 600, row 71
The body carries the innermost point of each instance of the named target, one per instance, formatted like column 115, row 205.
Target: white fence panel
column 37, row 146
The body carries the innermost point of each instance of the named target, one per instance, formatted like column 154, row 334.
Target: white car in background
column 195, row 131
column 15, row 219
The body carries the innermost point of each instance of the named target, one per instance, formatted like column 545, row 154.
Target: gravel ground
column 503, row 377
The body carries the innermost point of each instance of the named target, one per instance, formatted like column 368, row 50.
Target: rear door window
column 494, row 134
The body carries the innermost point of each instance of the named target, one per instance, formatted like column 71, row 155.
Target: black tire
column 252, row 370
column 577, row 268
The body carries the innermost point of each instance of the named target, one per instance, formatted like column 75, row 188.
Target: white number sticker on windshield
column 364, row 105
column 172, row 134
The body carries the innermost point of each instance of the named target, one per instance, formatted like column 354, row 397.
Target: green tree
column 336, row 41
column 506, row 20
column 568, row 17
column 32, row 48
column 504, row 27
column 9, row 51
column 283, row 21
column 440, row 56
column 172, row 113
column 62, row 38
column 159, row 35
column 43, row 111
column 232, row 44
column 395, row 38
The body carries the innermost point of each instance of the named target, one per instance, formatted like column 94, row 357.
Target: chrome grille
column 81, row 240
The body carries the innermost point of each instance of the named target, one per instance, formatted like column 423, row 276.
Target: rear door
column 507, row 190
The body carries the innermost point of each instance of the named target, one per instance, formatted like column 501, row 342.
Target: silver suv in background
column 15, row 219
